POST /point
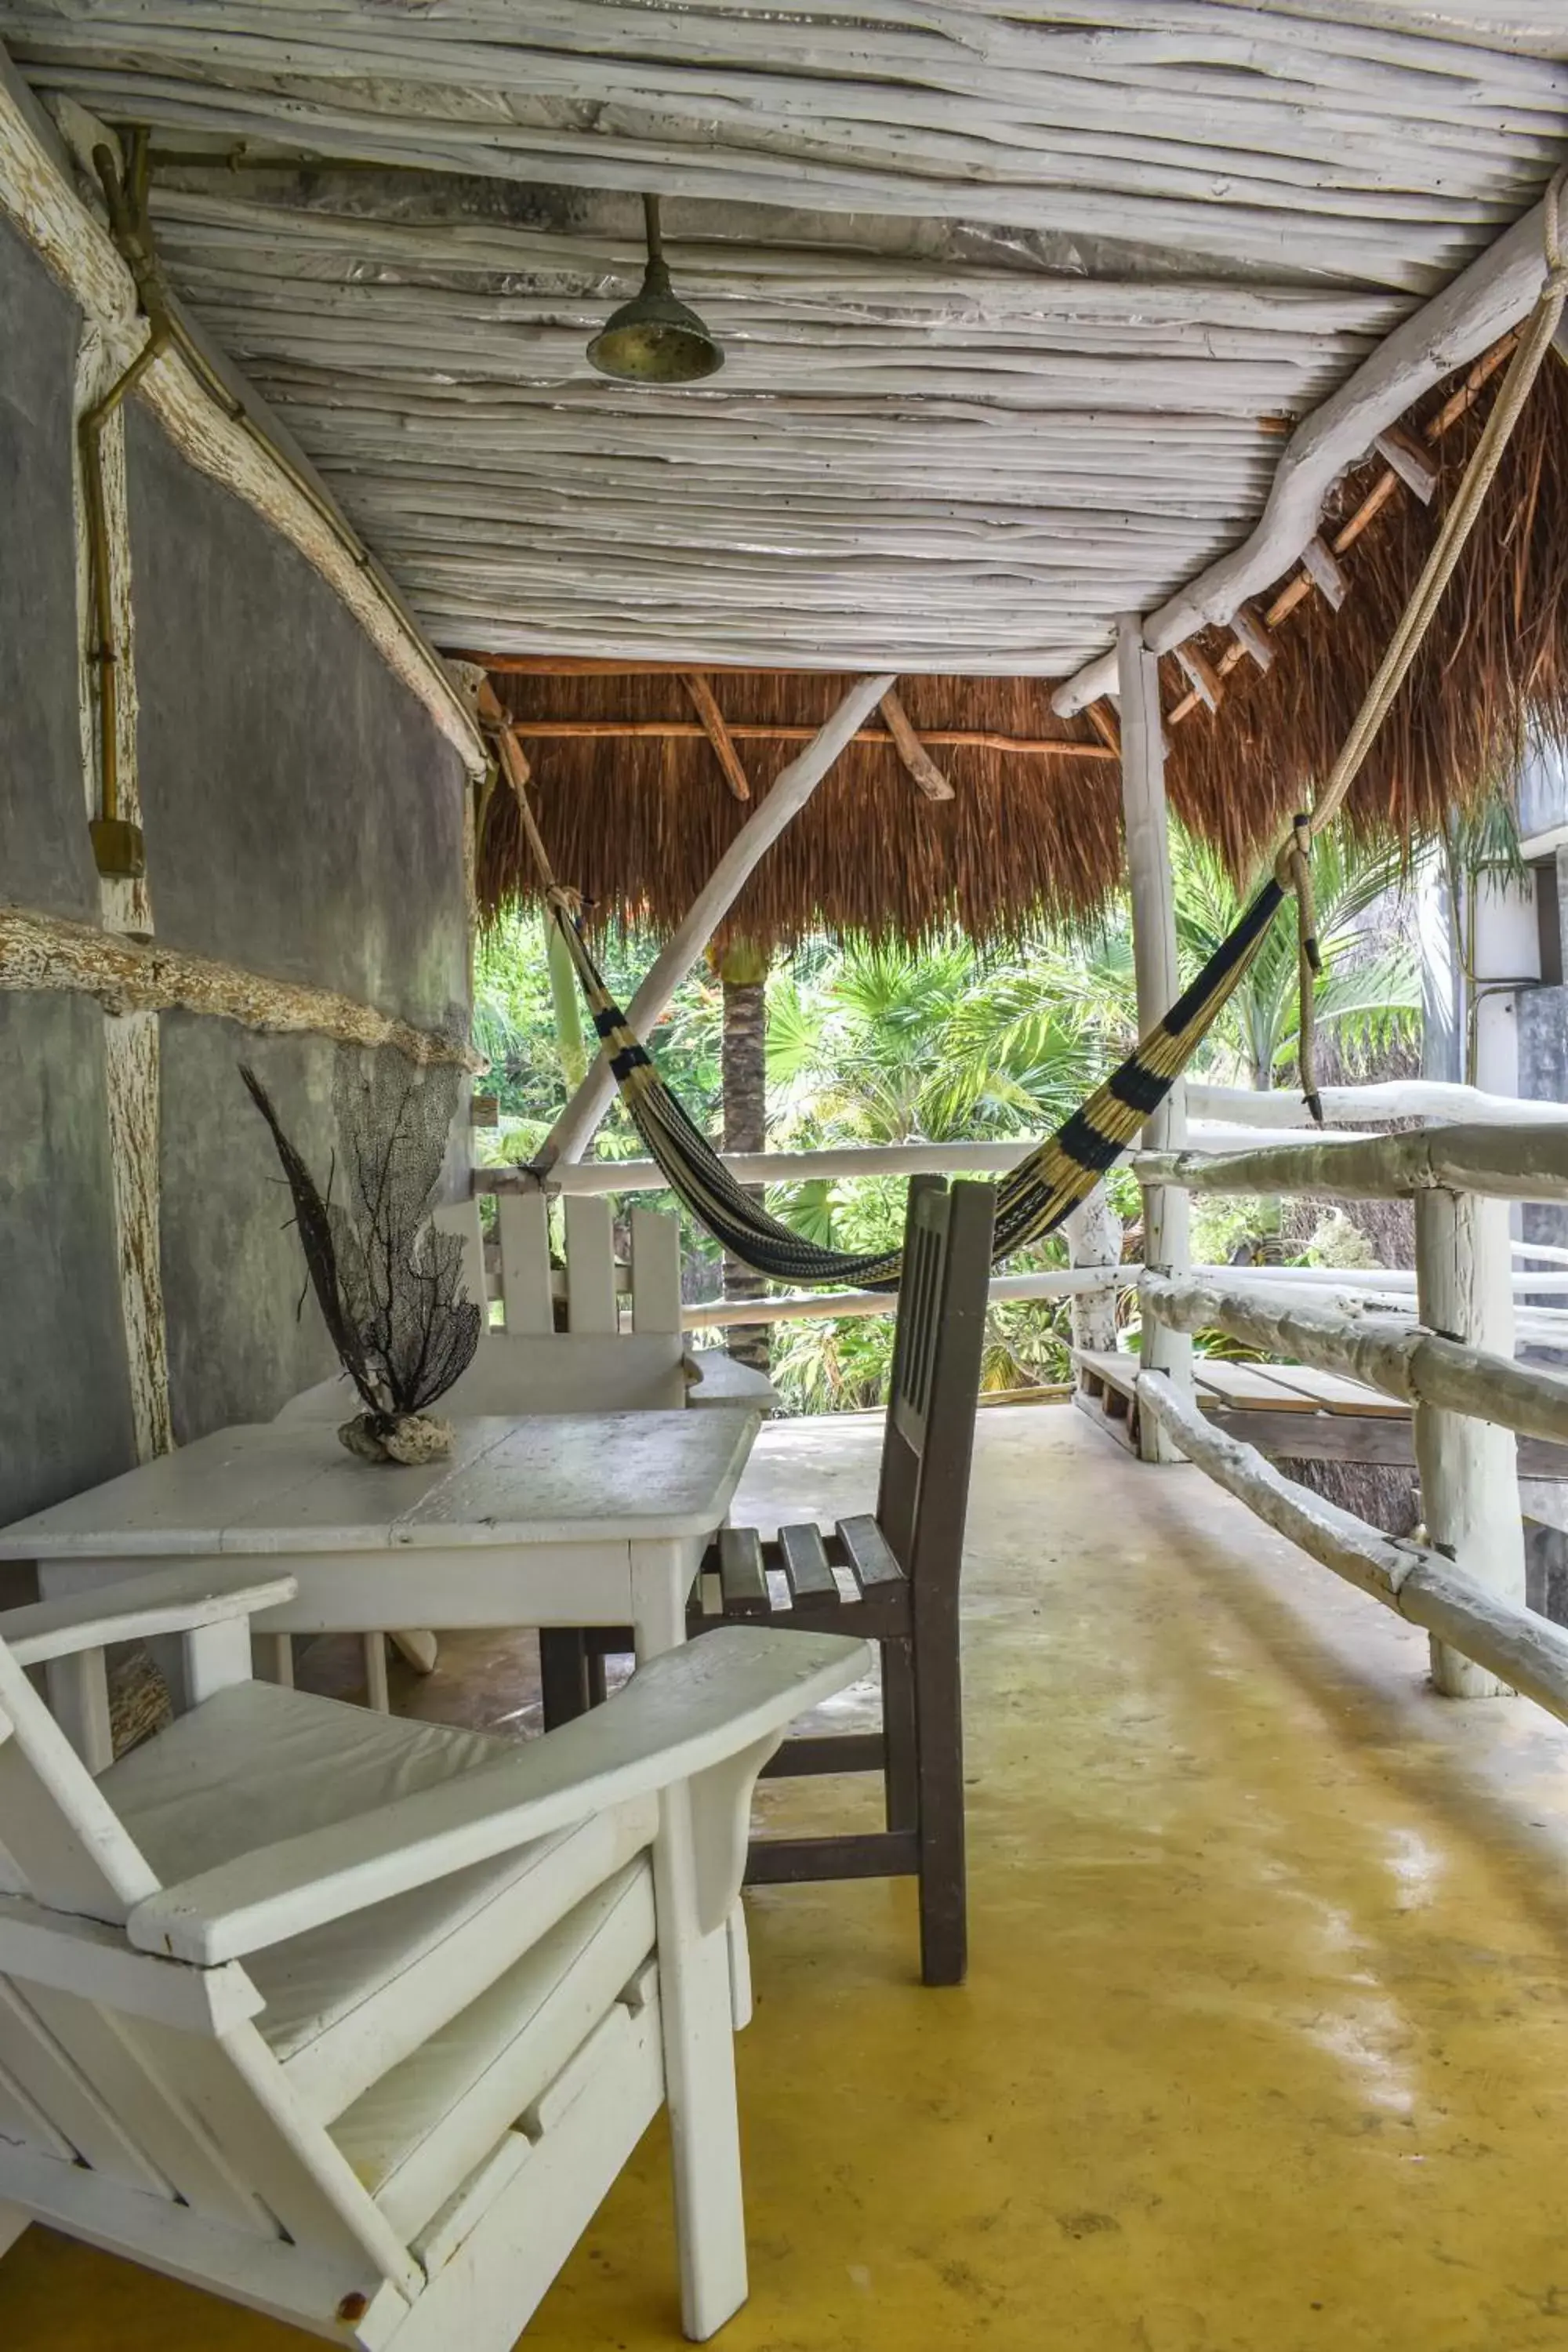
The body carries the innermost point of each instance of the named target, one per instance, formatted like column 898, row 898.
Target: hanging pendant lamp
column 654, row 339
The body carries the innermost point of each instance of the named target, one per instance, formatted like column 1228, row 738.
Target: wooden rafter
column 1321, row 568
column 731, row 766
column 545, row 731
column 924, row 773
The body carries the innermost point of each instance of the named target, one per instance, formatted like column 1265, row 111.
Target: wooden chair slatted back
column 937, row 1350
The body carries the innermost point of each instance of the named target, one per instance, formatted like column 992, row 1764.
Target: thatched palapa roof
column 636, row 822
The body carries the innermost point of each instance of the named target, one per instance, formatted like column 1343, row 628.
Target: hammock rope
column 1032, row 1199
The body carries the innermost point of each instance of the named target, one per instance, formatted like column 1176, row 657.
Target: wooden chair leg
column 900, row 1769
column 943, row 1892
column 562, row 1675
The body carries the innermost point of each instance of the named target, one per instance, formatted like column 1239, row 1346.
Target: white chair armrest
column 733, row 1691
column 169, row 1601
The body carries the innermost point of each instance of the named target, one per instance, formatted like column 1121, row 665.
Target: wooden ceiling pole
column 746, row 731
column 924, row 773
column 730, row 764
column 574, row 1130
column 1165, row 1207
column 1485, row 301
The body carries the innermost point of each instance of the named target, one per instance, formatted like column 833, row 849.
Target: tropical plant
column 1370, row 994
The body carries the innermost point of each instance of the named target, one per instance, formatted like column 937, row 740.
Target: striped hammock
column 1031, row 1202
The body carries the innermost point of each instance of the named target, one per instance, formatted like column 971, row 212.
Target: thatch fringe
column 1494, row 664
column 638, row 824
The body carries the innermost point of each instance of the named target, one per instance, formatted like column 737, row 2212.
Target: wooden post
column 1468, row 1469
column 1165, row 1218
column 1093, row 1232
column 575, row 1129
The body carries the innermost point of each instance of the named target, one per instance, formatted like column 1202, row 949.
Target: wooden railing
column 1453, row 1364
column 1219, row 1119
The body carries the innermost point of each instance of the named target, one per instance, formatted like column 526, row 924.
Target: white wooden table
column 574, row 1519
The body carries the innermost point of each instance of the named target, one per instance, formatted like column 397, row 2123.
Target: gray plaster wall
column 303, row 818
column 65, row 1402
column 65, row 1415
column 45, row 860
column 303, row 815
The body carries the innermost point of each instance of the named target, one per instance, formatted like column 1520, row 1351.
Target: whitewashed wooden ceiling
column 1017, row 302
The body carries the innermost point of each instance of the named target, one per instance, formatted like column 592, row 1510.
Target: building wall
column 303, row 819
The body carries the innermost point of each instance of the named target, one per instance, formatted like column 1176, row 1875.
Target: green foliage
column 889, row 1045
column 1370, row 994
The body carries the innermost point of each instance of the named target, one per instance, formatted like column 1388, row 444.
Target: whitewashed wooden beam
column 1147, row 828
column 1529, row 1162
column 1384, row 1352
column 1482, row 303
column 588, row 1176
column 1429, row 1098
column 132, row 976
column 999, row 1153
column 41, row 203
column 574, row 1130
column 1468, row 1466
column 1079, row 129
column 1091, row 1284
column 1524, row 1651
column 131, row 1035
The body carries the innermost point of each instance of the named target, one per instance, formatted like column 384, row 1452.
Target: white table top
column 279, row 1487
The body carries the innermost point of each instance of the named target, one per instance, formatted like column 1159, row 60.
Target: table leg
column 377, row 1694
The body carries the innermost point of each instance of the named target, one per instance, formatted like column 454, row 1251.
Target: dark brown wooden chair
column 901, row 1566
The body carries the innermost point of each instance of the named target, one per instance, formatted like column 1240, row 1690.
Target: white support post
column 1166, row 1213
column 1093, row 1232
column 1468, row 1469
column 575, row 1129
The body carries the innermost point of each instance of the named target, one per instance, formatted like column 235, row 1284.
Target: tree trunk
column 743, row 970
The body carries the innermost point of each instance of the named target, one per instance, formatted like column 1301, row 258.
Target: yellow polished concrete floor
column 1265, row 2043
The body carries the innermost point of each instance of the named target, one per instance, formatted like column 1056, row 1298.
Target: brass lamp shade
column 654, row 338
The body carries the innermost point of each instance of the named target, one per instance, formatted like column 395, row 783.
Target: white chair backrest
column 129, row 2083
column 595, row 1288
column 638, row 1371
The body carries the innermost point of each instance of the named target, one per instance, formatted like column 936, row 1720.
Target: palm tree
column 743, row 968
column 1371, row 988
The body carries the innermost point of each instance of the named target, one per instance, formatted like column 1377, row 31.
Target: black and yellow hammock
column 1063, row 1171
column 1031, row 1202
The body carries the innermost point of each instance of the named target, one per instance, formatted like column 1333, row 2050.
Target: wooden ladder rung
column 804, row 1560
column 743, row 1578
column 868, row 1552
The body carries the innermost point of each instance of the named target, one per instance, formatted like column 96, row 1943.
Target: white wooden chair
column 606, row 1360
column 648, row 1363
column 353, row 2020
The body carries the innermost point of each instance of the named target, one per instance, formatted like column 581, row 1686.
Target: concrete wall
column 303, row 818
column 65, row 1414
